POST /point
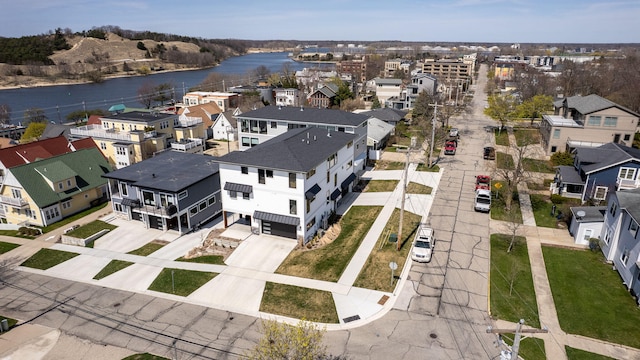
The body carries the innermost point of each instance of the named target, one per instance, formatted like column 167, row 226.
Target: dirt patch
column 214, row 244
column 159, row 242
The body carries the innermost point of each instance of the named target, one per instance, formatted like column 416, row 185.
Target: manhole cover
column 433, row 336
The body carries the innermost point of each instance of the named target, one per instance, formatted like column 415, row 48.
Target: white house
column 225, row 125
column 287, row 97
column 258, row 126
column 586, row 223
column 386, row 88
column 289, row 185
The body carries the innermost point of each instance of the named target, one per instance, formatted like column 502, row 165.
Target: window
column 202, row 206
column 103, row 146
column 254, row 142
column 183, row 195
column 69, row 183
column 123, row 189
column 332, row 160
column 311, row 223
column 293, row 207
column 335, row 179
column 556, row 133
column 627, row 137
column 60, row 185
column 246, row 141
column 261, row 176
column 166, row 200
column 66, row 204
column 311, row 173
column 245, row 196
column 244, row 170
column 350, row 144
column 600, row 193
column 610, row 121
column 554, row 149
column 270, row 173
column 16, row 193
column 274, row 124
column 627, row 173
column 193, row 210
column 633, row 227
column 148, row 198
column 607, row 236
column 233, row 194
column 349, row 164
column 118, row 207
column 594, row 120
column 292, row 180
column 624, row 257
column 613, row 208
column 211, row 200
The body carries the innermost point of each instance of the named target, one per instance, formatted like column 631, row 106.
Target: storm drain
column 351, row 318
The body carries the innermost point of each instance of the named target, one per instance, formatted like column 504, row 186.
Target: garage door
column 279, row 229
column 155, row 222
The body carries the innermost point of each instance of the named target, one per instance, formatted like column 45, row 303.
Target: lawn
column 526, row 136
column 590, row 298
column 389, row 165
column 498, row 210
column 15, row 233
column 6, row 247
column 91, row 228
column 46, row 258
column 577, row 354
column 542, row 207
column 376, row 274
column 502, row 137
column 205, row 259
column 535, row 165
column 530, row 348
column 147, row 249
column 425, row 167
column 112, row 267
column 180, row 282
column 519, row 302
column 381, row 185
column 415, row 188
column 298, row 302
column 538, row 186
column 328, row 262
column 504, row 161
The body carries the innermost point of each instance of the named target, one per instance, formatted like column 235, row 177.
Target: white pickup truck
column 423, row 244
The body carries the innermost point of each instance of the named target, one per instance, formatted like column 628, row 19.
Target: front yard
column 590, row 298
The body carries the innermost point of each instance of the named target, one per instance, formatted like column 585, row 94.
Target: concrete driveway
column 261, row 252
column 131, row 235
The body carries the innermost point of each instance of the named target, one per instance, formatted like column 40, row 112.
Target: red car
column 450, row 148
column 483, row 182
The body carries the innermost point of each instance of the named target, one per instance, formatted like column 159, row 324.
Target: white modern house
column 258, row 126
column 289, row 185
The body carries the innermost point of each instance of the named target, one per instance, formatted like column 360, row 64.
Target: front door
column 587, row 234
column 616, row 138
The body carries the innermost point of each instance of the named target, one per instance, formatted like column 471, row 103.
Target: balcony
column 17, row 203
column 188, row 145
column 627, row 184
column 98, row 132
column 164, row 211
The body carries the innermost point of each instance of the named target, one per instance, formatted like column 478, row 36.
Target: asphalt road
column 440, row 314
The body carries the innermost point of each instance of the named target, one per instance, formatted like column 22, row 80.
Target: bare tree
column 513, row 173
column 146, row 93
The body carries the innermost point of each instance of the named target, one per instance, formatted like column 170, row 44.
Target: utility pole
column 404, row 190
column 433, row 130
column 518, row 331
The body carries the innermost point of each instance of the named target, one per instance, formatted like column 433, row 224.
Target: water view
column 60, row 100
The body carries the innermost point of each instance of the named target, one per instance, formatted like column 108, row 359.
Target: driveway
column 261, row 253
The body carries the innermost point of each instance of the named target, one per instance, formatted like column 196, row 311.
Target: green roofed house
column 46, row 191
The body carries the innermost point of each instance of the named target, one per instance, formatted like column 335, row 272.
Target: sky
column 473, row 21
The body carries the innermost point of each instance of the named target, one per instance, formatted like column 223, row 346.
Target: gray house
column 619, row 236
column 170, row 191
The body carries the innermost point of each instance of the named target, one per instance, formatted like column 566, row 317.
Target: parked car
column 483, row 182
column 483, row 200
column 454, row 133
column 423, row 244
column 450, row 147
column 489, row 153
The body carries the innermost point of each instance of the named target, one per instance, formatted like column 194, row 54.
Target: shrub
column 594, row 244
column 562, row 158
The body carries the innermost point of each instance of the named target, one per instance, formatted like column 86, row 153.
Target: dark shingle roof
column 569, row 175
column 592, row 103
column 88, row 166
column 610, row 154
column 169, row 171
column 139, row 116
column 386, row 114
column 306, row 115
column 298, row 150
column 589, row 213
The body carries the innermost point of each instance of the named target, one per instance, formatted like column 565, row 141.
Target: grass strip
column 298, row 302
column 47, row 258
column 179, row 281
column 112, row 267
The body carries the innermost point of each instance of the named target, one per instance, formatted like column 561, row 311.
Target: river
column 60, row 100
